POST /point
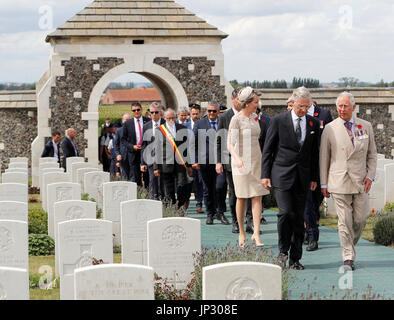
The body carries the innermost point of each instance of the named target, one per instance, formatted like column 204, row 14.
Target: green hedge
column 38, row 222
column 383, row 231
column 41, row 245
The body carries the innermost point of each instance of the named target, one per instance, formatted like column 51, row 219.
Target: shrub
column 38, row 222
column 383, row 231
column 34, row 281
column 41, row 245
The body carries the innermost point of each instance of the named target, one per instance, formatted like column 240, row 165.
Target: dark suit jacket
column 49, row 150
column 165, row 152
column 265, row 119
column 263, row 133
column 146, row 141
column 129, row 139
column 282, row 159
column 204, row 124
column 120, row 148
column 324, row 116
column 223, row 156
column 68, row 150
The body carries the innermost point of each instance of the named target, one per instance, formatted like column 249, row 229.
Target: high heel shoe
column 241, row 242
column 257, row 244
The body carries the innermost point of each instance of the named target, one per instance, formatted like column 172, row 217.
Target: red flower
column 360, row 126
column 373, row 211
column 316, row 114
column 311, row 123
column 256, row 119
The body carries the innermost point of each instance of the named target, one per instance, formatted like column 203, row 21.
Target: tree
column 348, row 82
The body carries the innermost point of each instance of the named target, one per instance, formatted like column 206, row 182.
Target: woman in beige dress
column 243, row 145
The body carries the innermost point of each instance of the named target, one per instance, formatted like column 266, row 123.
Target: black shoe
column 235, row 227
column 249, row 226
column 296, row 265
column 282, row 260
column 349, row 264
column 306, row 238
column 222, row 218
column 313, row 246
column 263, row 221
column 209, row 220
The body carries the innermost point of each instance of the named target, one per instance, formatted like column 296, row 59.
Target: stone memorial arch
column 177, row 51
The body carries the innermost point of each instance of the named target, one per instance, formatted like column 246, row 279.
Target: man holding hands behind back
column 290, row 163
column 347, row 169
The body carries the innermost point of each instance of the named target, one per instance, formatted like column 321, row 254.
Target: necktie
column 75, row 149
column 348, row 126
column 299, row 132
column 213, row 125
column 140, row 132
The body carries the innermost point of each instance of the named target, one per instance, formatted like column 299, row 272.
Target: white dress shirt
column 155, row 125
column 56, row 150
column 311, row 110
column 302, row 124
column 137, row 130
column 172, row 129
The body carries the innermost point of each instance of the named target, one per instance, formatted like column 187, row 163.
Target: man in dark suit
column 51, row 149
column 68, row 146
column 183, row 114
column 223, row 165
column 290, row 165
column 120, row 149
column 170, row 167
column 204, row 160
column 315, row 198
column 132, row 138
column 151, row 129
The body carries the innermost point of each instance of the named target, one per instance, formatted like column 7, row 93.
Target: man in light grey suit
column 347, row 169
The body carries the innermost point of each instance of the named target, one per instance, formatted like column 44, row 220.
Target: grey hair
column 183, row 109
column 301, row 93
column 347, row 94
column 213, row 104
column 154, row 105
column 291, row 98
column 168, row 111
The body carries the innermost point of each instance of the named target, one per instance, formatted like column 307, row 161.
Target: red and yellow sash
column 169, row 138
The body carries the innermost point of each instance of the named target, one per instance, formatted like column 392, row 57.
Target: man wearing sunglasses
column 149, row 134
column 133, row 137
column 205, row 134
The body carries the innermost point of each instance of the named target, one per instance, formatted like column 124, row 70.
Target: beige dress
column 244, row 137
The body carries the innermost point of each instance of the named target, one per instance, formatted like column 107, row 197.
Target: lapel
column 316, row 113
column 290, row 129
column 357, row 142
column 344, row 137
column 309, row 128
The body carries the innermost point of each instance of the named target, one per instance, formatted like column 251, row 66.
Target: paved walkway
column 374, row 263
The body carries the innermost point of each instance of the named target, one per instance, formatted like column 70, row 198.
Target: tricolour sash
column 169, row 138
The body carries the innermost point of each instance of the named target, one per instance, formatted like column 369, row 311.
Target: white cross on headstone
column 84, row 260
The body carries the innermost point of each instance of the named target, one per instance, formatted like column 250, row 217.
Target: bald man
column 68, row 146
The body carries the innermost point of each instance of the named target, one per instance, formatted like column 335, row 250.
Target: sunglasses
column 212, row 111
column 136, row 110
column 155, row 112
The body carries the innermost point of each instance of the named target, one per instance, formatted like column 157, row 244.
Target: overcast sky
column 268, row 39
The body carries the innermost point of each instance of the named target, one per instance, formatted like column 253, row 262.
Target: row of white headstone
column 149, row 243
column 14, row 256
column 382, row 191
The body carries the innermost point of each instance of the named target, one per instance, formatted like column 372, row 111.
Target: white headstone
column 377, row 193
column 49, row 178
column 134, row 217
column 20, row 170
column 48, row 165
column 381, row 156
column 13, row 192
column 70, row 210
column 114, row 282
column 80, row 175
column 389, row 180
column 60, row 192
column 93, row 185
column 13, row 210
column 242, row 281
column 171, row 245
column 79, row 242
column 47, row 160
column 19, row 160
column 79, row 165
column 114, row 193
column 14, row 284
column 70, row 161
column 17, row 165
column 382, row 162
column 14, row 244
column 15, row 177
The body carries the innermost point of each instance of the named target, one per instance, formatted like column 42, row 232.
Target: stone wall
column 70, row 96
column 195, row 76
column 18, row 128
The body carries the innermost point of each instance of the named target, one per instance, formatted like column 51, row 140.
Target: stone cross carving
column 85, row 259
column 174, row 280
